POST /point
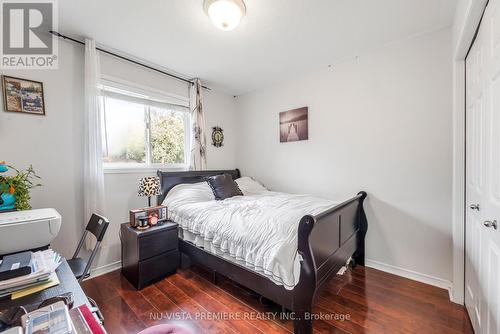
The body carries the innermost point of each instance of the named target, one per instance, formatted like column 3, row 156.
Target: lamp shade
column 149, row 186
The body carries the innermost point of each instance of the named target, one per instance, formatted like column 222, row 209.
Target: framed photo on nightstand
column 150, row 216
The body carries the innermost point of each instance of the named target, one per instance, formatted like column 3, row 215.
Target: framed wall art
column 23, row 96
column 217, row 136
column 294, row 125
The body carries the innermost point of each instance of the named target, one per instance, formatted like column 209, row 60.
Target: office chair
column 97, row 225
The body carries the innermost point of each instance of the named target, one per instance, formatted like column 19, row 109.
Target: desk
column 68, row 283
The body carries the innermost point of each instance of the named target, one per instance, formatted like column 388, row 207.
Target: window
column 141, row 131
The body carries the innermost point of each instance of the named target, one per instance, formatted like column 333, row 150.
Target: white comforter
column 257, row 230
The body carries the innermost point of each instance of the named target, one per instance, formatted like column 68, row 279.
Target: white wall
column 381, row 123
column 54, row 143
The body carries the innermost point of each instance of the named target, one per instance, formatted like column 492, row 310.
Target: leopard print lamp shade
column 149, row 186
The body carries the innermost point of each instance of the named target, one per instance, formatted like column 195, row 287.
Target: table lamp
column 149, row 186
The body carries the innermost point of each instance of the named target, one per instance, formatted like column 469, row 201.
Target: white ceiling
column 275, row 40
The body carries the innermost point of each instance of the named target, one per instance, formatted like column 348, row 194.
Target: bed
column 324, row 241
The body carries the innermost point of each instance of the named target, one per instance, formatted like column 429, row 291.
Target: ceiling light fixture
column 225, row 14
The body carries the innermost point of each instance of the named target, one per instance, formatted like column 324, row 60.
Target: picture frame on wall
column 23, row 95
column 294, row 125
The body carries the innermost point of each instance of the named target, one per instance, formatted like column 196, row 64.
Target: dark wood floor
column 364, row 300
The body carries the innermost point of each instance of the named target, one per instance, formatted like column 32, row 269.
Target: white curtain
column 198, row 158
column 93, row 175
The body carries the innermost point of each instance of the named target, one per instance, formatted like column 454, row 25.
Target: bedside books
column 42, row 276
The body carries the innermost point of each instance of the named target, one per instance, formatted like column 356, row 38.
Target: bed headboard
column 169, row 180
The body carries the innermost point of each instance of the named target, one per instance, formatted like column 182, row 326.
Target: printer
column 29, row 229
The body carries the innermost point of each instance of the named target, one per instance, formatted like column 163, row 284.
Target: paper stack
column 42, row 276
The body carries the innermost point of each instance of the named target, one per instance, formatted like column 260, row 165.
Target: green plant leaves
column 22, row 182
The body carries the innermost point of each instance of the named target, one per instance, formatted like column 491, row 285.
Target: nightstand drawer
column 157, row 267
column 154, row 244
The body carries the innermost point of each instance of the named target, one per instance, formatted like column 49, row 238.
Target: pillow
column 249, row 186
column 223, row 186
column 189, row 193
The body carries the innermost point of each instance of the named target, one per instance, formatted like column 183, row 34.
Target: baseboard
column 416, row 276
column 98, row 271
column 457, row 300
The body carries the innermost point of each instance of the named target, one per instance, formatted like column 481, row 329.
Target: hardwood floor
column 363, row 300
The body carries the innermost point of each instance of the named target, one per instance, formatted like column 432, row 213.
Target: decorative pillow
column 250, row 186
column 223, row 186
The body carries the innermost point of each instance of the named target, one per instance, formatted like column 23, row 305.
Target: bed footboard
column 325, row 242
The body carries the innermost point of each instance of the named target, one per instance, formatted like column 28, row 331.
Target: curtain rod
column 55, row 33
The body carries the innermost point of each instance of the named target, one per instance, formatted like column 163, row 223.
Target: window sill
column 142, row 170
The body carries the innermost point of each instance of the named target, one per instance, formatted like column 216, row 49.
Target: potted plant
column 15, row 189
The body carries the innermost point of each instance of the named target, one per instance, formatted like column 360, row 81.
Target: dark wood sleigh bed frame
column 326, row 241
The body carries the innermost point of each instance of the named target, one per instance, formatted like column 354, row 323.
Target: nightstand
column 149, row 255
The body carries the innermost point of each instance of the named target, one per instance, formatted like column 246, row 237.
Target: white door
column 482, row 266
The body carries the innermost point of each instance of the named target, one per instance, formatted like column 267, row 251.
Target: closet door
column 475, row 164
column 482, row 279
